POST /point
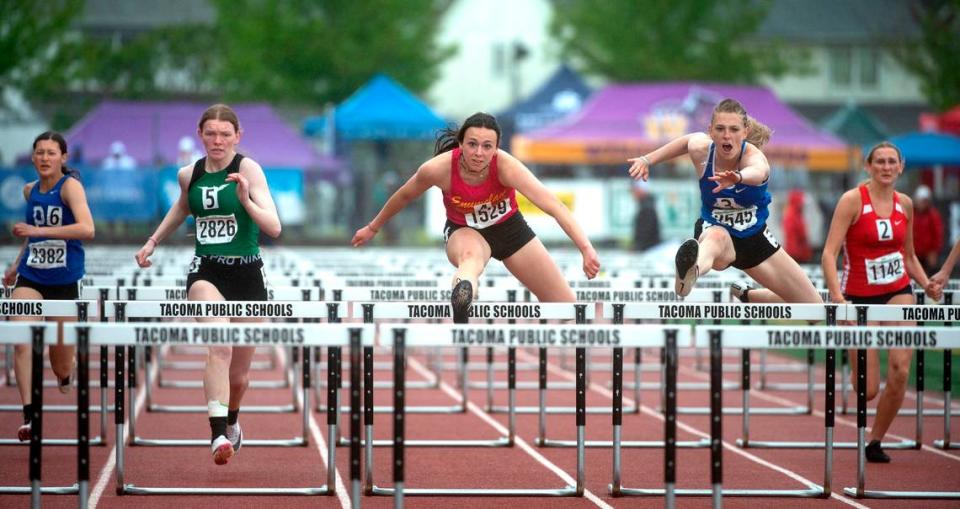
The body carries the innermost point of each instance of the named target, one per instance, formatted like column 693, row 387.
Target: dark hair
column 758, row 134
column 883, row 144
column 451, row 137
column 62, row 143
column 220, row 112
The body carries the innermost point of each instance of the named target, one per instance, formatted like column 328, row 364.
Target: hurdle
column 131, row 335
column 919, row 338
column 82, row 310
column 579, row 337
column 122, row 310
column 39, row 334
column 945, row 443
column 736, row 336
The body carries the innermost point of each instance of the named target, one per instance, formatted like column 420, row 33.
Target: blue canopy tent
column 562, row 94
column 380, row 110
column 929, row 149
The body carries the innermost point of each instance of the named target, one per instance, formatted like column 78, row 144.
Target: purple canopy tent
column 626, row 120
column 151, row 132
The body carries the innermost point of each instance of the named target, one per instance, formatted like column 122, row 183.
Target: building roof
column 110, row 15
column 847, row 21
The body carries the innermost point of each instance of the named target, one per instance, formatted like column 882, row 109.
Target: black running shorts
column 504, row 238
column 751, row 251
column 51, row 292
column 237, row 278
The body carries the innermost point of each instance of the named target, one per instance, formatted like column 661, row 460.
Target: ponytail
column 758, row 134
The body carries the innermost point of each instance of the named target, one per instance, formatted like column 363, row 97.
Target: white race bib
column 488, row 214
column 216, row 229
column 886, row 269
column 48, row 254
column 738, row 219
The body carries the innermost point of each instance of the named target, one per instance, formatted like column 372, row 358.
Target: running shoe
column 874, row 453
column 235, row 436
column 739, row 291
column 687, row 269
column 65, row 384
column 222, row 450
column 460, row 301
column 23, row 432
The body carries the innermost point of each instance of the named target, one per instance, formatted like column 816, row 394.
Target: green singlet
column 224, row 228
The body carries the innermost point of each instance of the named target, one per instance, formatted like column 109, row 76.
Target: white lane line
column 342, row 493
column 690, row 429
column 521, row 443
column 107, row 472
column 818, row 413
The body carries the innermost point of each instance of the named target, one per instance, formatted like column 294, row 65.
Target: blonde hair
column 758, row 134
column 220, row 112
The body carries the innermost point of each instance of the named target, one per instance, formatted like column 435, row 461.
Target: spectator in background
column 646, row 224
column 795, row 240
column 927, row 230
column 119, row 159
column 187, row 152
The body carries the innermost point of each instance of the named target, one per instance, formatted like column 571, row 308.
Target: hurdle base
column 497, row 442
column 942, row 495
column 816, row 492
column 940, row 444
column 131, row 489
column 52, row 441
column 797, row 410
column 557, row 410
column 196, row 409
column 568, row 491
column 774, row 444
column 191, row 442
column 634, row 444
column 45, row 490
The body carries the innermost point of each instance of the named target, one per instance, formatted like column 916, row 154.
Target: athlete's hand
column 363, row 236
column 243, row 187
column 639, row 168
column 934, row 290
column 10, row 275
column 143, row 255
column 25, row 230
column 591, row 262
column 725, row 179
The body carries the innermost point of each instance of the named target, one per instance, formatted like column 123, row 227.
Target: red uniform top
column 479, row 206
column 873, row 261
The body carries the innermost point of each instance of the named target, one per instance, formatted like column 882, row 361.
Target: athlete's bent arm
column 254, row 195
column 843, row 217
column 171, row 221
column 428, row 175
column 640, row 166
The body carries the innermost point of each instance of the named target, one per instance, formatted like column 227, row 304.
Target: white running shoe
column 739, row 291
column 23, row 432
column 687, row 269
column 235, row 436
column 222, row 450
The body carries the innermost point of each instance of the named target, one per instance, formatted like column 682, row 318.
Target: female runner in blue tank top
column 732, row 228
column 50, row 264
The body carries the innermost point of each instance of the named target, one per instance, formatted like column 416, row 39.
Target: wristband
column 374, row 230
column 155, row 243
column 646, row 160
column 739, row 177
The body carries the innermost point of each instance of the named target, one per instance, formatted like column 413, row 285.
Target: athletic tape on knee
column 216, row 409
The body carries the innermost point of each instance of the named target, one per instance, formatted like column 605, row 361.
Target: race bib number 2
column 487, row 214
column 885, row 270
column 216, row 229
column 47, row 254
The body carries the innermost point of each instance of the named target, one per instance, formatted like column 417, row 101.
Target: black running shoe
column 739, row 291
column 687, row 269
column 460, row 301
column 875, row 454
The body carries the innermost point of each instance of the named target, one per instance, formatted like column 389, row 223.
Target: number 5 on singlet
column 487, row 214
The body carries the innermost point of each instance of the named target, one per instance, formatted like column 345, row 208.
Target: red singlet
column 873, row 260
column 479, row 206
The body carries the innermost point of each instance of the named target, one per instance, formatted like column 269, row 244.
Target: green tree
column 935, row 57
column 653, row 40
column 313, row 52
column 30, row 33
